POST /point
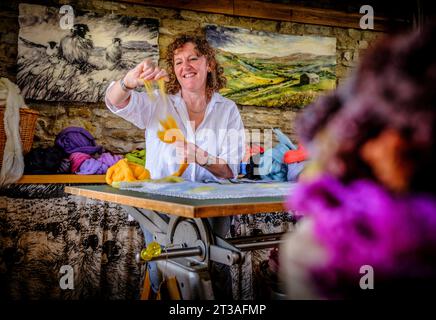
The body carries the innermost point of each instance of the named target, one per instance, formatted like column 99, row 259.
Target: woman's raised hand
column 146, row 70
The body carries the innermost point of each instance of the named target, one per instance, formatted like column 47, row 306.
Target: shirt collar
column 216, row 98
column 177, row 98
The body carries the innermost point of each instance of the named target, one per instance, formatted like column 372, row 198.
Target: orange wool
column 126, row 171
column 293, row 156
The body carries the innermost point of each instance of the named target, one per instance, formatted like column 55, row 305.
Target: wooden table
column 189, row 208
column 188, row 225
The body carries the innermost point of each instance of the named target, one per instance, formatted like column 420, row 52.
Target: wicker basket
column 28, row 119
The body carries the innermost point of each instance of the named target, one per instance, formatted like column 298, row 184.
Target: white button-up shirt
column 221, row 133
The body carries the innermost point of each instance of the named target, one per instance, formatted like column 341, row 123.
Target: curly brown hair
column 215, row 78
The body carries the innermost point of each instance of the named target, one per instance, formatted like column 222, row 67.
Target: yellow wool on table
column 126, row 171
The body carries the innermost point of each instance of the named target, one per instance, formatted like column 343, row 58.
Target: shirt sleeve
column 138, row 111
column 233, row 147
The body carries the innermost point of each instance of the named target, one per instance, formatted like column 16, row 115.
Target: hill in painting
column 260, row 80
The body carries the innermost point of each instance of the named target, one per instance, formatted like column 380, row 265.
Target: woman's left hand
column 188, row 152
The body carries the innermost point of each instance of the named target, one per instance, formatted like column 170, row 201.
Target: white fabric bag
column 13, row 162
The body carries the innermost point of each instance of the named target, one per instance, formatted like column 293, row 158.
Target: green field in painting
column 259, row 81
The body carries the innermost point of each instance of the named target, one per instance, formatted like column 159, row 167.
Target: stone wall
column 118, row 135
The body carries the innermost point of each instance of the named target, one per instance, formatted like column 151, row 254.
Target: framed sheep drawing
column 77, row 63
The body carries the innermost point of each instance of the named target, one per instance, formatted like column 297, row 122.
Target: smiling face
column 190, row 68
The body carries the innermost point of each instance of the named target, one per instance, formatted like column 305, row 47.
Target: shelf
column 61, row 178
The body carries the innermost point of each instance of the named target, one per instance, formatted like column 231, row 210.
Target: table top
column 190, row 208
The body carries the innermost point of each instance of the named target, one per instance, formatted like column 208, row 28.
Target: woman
column 371, row 211
column 210, row 123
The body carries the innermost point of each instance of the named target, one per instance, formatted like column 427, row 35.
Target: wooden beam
column 334, row 18
column 274, row 11
column 263, row 10
column 212, row 6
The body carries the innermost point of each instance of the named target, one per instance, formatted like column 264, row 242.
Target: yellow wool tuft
column 148, row 85
column 171, row 132
column 126, row 171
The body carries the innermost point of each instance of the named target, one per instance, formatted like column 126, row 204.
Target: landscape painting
column 271, row 69
column 77, row 63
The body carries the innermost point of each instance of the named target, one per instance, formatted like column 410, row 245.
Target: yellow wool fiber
column 126, row 171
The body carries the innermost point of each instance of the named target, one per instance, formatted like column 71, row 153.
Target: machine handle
column 172, row 253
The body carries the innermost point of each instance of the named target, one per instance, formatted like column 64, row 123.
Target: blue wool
column 271, row 165
column 243, row 168
column 294, row 170
column 284, row 140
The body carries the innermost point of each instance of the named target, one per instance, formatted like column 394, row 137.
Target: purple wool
column 76, row 139
column 109, row 159
column 92, row 166
column 76, row 160
column 364, row 224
